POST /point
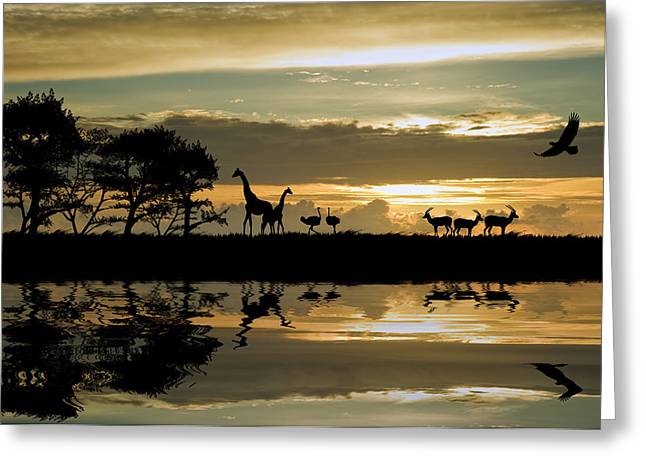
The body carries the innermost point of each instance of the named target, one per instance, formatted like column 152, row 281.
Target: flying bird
column 567, row 137
column 553, row 372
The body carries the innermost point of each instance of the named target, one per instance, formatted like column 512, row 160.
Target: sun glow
column 426, row 53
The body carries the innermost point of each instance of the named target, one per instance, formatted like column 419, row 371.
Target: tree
column 195, row 170
column 84, row 197
column 186, row 170
column 40, row 140
column 134, row 169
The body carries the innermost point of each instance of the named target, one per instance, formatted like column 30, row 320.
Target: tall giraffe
column 253, row 206
column 277, row 213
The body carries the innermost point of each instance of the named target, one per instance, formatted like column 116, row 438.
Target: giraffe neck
column 281, row 203
column 248, row 193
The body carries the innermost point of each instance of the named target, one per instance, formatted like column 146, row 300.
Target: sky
column 377, row 110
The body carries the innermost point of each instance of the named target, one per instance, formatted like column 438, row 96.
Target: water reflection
column 553, row 371
column 74, row 348
column 143, row 344
column 268, row 303
column 487, row 296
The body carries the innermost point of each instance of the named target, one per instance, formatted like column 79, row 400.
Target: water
column 441, row 354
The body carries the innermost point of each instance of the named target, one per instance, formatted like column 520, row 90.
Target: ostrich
column 312, row 221
column 444, row 221
column 332, row 220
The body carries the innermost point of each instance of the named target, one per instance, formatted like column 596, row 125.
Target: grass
column 346, row 257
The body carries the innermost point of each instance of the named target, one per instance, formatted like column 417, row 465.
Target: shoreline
column 294, row 257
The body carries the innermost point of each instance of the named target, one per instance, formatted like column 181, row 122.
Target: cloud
column 284, row 153
column 547, row 218
column 371, row 217
column 502, row 85
column 98, row 40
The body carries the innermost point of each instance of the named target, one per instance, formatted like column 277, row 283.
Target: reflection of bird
column 312, row 221
column 563, row 144
column 553, row 372
column 332, row 220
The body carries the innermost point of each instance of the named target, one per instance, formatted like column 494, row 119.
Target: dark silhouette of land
column 357, row 257
column 565, row 141
column 553, row 371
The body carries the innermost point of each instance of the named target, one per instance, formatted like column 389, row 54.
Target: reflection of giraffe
column 254, row 205
column 267, row 303
column 277, row 214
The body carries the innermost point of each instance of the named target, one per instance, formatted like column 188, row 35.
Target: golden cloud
column 97, row 40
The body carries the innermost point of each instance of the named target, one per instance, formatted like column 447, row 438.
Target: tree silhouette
column 194, row 170
column 40, row 140
column 84, row 197
column 133, row 170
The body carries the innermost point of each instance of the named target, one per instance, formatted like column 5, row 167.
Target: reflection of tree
column 143, row 344
column 32, row 383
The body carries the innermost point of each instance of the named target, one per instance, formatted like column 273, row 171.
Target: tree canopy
column 40, row 140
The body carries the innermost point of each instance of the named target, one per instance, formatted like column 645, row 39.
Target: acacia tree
column 84, row 196
column 133, row 167
column 40, row 140
column 187, row 170
column 195, row 170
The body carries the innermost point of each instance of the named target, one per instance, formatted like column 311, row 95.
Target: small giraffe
column 254, row 205
column 277, row 213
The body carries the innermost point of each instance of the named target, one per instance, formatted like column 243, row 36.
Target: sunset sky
column 376, row 110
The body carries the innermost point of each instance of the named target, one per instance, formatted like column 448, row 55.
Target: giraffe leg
column 244, row 224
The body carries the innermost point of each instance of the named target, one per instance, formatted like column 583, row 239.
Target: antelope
column 459, row 224
column 444, row 221
column 492, row 221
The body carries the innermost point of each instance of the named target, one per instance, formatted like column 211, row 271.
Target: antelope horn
column 508, row 206
column 477, row 212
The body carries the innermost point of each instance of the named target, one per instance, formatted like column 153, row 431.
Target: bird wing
column 572, row 389
column 551, row 152
column 570, row 131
